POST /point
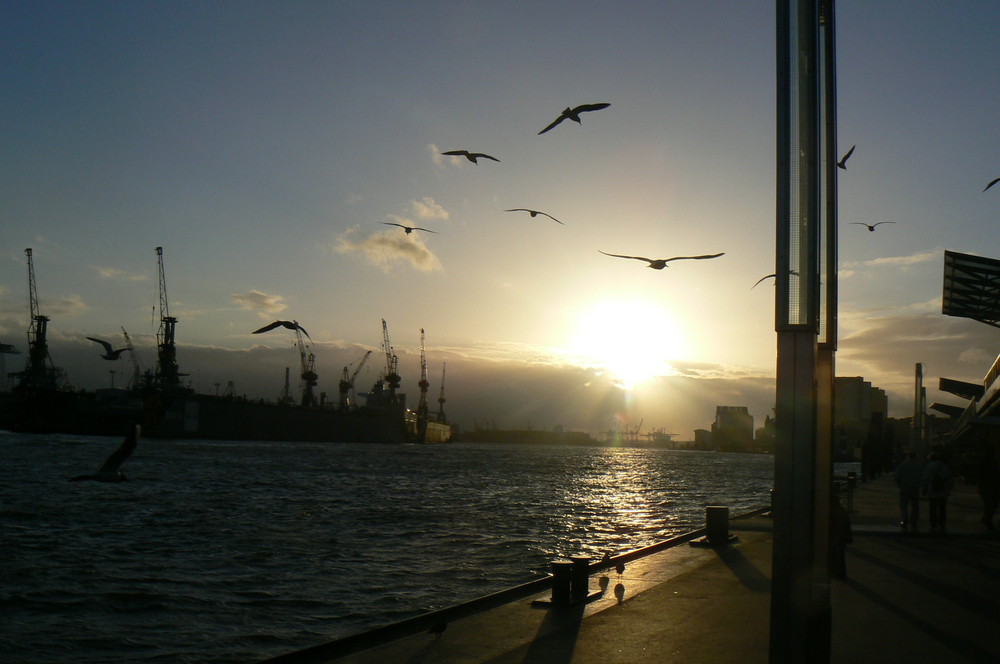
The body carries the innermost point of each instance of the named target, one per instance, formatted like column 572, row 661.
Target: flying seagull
column 660, row 263
column 109, row 471
column 574, row 114
column 535, row 213
column 408, row 229
column 471, row 156
column 108, row 353
column 843, row 162
column 992, row 182
column 771, row 276
column 290, row 324
column 871, row 227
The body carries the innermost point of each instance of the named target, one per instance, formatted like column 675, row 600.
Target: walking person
column 937, row 483
column 909, row 476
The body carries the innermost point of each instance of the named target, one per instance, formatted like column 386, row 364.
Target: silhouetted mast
column 440, row 413
column 167, row 375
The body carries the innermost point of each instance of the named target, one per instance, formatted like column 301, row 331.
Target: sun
column 633, row 340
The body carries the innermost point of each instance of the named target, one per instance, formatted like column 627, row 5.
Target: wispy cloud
column 114, row 273
column 256, row 300
column 426, row 208
column 387, row 248
column 70, row 305
column 892, row 261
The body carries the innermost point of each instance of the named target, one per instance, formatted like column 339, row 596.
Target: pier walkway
column 909, row 597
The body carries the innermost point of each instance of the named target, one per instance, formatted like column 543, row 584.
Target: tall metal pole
column 800, row 581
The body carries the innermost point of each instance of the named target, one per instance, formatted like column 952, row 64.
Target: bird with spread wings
column 290, row 324
column 660, row 263
column 574, row 114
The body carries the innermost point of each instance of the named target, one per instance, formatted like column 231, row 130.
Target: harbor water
column 237, row 551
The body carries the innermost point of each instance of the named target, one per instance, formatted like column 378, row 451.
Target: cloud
column 255, row 300
column 71, row 305
column 892, row 261
column 113, row 273
column 426, row 208
column 387, row 248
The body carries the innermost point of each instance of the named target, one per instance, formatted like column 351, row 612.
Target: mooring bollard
column 580, row 585
column 717, row 524
column 562, row 578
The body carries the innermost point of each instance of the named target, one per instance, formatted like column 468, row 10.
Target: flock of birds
column 567, row 114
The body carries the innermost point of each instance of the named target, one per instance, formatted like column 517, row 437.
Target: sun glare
column 631, row 340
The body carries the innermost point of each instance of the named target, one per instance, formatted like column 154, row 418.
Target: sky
column 267, row 146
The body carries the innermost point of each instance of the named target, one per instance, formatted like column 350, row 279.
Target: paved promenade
column 909, row 597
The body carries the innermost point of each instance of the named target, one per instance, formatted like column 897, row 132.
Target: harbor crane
column 133, row 382
column 391, row 378
column 423, row 384
column 440, row 414
column 167, row 375
column 347, row 383
column 40, row 372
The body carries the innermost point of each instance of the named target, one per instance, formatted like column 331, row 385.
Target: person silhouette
column 909, row 478
column 937, row 484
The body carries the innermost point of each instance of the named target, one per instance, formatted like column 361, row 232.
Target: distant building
column 763, row 438
column 732, row 430
column 702, row 439
column 859, row 415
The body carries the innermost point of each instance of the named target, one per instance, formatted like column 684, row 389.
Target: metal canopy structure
column 971, row 288
column 960, row 388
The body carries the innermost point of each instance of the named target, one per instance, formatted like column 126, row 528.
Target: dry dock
column 909, row 597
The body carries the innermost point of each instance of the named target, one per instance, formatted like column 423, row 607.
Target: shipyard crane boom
column 440, row 413
column 347, row 383
column 167, row 372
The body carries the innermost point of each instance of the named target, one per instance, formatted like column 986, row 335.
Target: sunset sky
column 264, row 146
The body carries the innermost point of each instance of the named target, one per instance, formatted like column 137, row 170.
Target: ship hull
column 219, row 418
column 196, row 416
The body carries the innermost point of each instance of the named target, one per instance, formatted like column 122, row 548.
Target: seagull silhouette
column 471, row 156
column 660, row 263
column 109, row 471
column 535, row 213
column 992, row 182
column 771, row 276
column 843, row 162
column 290, row 324
column 871, row 227
column 574, row 114
column 408, row 229
column 108, row 353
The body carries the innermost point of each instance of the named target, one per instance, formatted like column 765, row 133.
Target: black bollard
column 580, row 585
column 562, row 576
column 717, row 524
